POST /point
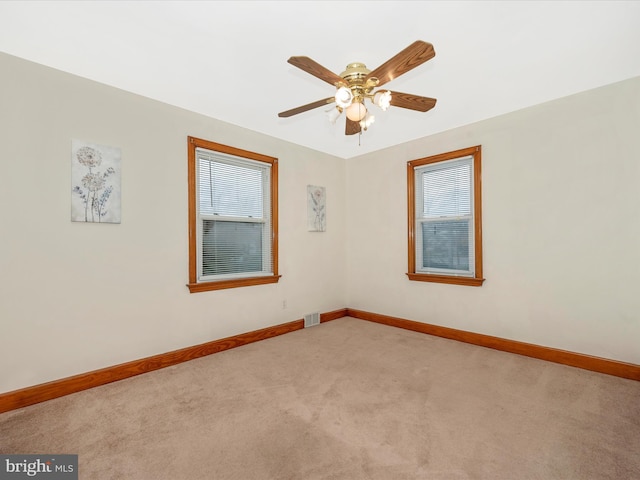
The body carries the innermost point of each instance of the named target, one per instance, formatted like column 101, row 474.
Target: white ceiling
column 228, row 60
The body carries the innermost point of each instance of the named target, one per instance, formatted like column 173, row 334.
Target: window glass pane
column 447, row 190
column 445, row 244
column 230, row 190
column 231, row 247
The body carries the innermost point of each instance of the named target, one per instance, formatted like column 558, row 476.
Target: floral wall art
column 95, row 183
column 316, row 209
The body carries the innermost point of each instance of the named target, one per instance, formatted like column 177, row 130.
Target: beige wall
column 561, row 230
column 76, row 297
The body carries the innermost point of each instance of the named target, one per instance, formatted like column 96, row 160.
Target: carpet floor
column 347, row 399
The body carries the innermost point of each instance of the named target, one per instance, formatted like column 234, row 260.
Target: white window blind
column 234, row 216
column 444, row 217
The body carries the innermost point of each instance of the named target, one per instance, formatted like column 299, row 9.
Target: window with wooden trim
column 233, row 221
column 445, row 218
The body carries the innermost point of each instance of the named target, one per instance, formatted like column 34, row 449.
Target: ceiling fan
column 358, row 83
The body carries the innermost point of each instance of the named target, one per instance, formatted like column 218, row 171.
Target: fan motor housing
column 355, row 73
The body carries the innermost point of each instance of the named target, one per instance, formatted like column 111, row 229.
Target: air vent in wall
column 311, row 319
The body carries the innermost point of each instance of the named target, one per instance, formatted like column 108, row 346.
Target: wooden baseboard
column 334, row 315
column 58, row 388
column 579, row 360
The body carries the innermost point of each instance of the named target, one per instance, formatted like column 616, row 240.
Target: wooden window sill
column 425, row 277
column 238, row 282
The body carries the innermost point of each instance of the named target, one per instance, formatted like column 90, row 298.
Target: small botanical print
column 316, row 209
column 95, row 180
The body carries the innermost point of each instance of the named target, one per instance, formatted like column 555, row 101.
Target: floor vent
column 311, row 319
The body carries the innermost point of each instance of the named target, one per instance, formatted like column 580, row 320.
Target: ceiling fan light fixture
column 367, row 121
column 333, row 114
column 344, row 97
column 382, row 99
column 356, row 111
column 357, row 84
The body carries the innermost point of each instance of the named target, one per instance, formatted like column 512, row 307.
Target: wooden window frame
column 193, row 285
column 477, row 280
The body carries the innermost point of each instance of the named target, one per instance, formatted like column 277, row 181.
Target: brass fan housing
column 355, row 76
column 355, row 73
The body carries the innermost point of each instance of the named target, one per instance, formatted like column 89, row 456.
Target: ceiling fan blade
column 309, row 106
column 315, row 69
column 413, row 102
column 352, row 127
column 415, row 54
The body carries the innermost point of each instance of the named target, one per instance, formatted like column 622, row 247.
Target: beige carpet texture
column 345, row 400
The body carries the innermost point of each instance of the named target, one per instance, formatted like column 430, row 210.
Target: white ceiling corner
column 228, row 60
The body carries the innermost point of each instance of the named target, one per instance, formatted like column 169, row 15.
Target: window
column 445, row 229
column 233, row 221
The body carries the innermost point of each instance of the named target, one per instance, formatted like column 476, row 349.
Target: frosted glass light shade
column 344, row 97
column 333, row 114
column 367, row 121
column 356, row 111
column 382, row 99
